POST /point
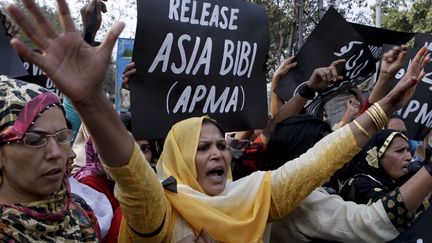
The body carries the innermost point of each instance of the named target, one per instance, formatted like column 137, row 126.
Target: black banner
column 10, row 62
column 423, row 39
column 199, row 57
column 417, row 114
column 332, row 39
column 377, row 37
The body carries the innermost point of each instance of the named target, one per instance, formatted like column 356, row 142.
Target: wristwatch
column 306, row 92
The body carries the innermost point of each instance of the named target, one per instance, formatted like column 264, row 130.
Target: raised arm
column 391, row 63
column 78, row 70
column 320, row 79
column 275, row 101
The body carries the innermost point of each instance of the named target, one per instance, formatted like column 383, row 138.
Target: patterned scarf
column 63, row 217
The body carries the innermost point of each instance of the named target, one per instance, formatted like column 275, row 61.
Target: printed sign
column 332, row 39
column 199, row 58
column 124, row 57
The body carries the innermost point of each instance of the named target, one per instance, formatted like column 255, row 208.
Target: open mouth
column 216, row 173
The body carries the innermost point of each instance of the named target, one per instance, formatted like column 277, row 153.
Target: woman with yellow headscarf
column 199, row 198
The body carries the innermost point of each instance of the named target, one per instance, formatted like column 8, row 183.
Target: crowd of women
column 206, row 188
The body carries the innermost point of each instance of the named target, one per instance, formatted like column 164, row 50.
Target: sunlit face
column 212, row 160
column 396, row 158
column 397, row 124
column 31, row 174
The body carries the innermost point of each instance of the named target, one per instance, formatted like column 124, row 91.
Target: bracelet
column 361, row 129
column 378, row 116
column 373, row 118
column 306, row 92
column 382, row 114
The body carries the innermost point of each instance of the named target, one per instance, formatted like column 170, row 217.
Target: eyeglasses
column 39, row 139
column 145, row 148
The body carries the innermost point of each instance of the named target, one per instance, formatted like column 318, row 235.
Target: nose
column 53, row 149
column 408, row 156
column 215, row 152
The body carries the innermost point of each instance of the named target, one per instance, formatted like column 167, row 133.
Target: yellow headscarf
column 238, row 214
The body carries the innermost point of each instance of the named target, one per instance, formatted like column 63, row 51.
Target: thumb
column 108, row 43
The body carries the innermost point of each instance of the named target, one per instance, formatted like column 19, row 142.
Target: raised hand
column 87, row 11
column 323, row 77
column 405, row 88
column 76, row 68
column 284, row 67
column 11, row 28
column 392, row 62
column 127, row 73
column 352, row 107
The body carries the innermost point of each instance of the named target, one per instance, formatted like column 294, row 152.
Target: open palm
column 76, row 68
column 405, row 88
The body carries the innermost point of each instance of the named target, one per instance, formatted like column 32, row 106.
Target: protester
column 377, row 168
column 397, row 123
column 322, row 216
column 194, row 153
column 36, row 202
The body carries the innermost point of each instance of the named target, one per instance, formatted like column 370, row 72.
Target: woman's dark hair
column 293, row 137
column 211, row 121
column 394, row 116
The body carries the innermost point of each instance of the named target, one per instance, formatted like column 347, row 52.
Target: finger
column 291, row 65
column 329, row 75
column 388, row 56
column 32, row 33
column 402, row 55
column 103, row 7
column 333, row 73
column 128, row 67
column 108, row 43
column 26, row 53
column 337, row 62
column 98, row 12
column 125, row 84
column 421, row 75
column 421, row 62
column 290, row 59
column 322, row 75
column 65, row 17
column 42, row 22
column 129, row 73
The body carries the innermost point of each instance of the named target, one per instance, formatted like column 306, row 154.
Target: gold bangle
column 376, row 116
column 373, row 118
column 361, row 129
column 381, row 112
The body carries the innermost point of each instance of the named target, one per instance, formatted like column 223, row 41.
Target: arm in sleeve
column 329, row 217
column 293, row 181
column 142, row 199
